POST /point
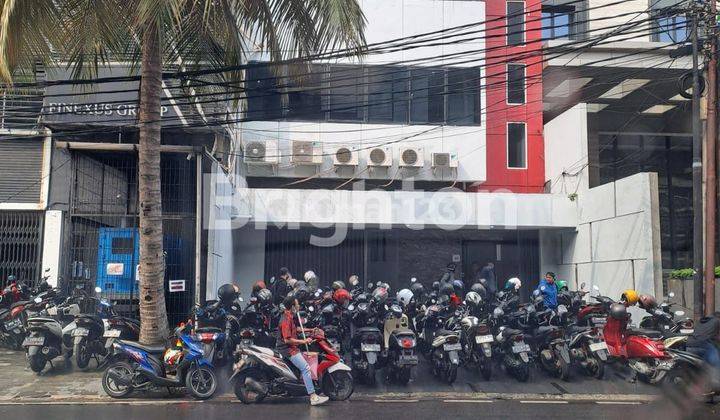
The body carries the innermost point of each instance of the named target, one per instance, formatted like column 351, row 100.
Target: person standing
column 488, row 273
column 287, row 345
column 281, row 288
column 548, row 289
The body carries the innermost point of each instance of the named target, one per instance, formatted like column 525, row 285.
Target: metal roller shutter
column 20, row 170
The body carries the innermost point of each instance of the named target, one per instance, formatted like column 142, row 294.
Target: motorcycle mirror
column 679, row 313
column 311, row 309
column 351, row 307
column 38, row 300
column 671, row 294
column 582, row 286
column 432, row 301
column 240, row 299
column 370, row 285
column 386, row 307
column 413, row 280
column 98, row 290
column 596, row 288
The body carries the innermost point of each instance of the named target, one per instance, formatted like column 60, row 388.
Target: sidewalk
column 19, row 384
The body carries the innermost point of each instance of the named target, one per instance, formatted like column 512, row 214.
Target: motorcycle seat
column 644, row 332
column 445, row 332
column 149, row 349
column 365, row 330
column 546, row 329
column 207, row 330
column 509, row 332
column 577, row 329
column 403, row 332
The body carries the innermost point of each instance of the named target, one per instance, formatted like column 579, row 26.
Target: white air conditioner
column 260, row 152
column 306, row 153
column 380, row 156
column 444, row 160
column 412, row 157
column 345, row 156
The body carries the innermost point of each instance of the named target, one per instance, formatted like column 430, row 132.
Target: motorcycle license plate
column 11, row 325
column 598, row 346
column 112, row 334
column 408, row 360
column 598, row 320
column 80, row 332
column 521, row 348
column 370, row 347
column 33, row 341
column 482, row 339
column 687, row 331
column 451, row 347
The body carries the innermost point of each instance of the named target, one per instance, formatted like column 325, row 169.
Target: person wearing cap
column 549, row 290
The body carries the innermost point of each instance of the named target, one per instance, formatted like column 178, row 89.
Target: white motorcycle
column 50, row 335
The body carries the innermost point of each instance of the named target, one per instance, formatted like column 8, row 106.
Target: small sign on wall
column 114, row 269
column 176, row 286
column 456, row 258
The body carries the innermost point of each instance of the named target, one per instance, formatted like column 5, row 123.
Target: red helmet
column 341, row 297
column 258, row 286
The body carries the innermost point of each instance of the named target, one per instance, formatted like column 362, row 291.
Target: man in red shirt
column 287, row 345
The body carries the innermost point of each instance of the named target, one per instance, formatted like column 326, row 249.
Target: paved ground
column 358, row 409
column 19, row 382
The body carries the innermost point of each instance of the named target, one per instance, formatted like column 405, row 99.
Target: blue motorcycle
column 138, row 367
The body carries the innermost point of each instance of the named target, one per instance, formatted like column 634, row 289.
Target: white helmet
column 309, row 275
column 515, row 282
column 404, row 296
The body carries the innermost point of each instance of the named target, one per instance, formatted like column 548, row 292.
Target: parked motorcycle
column 366, row 338
column 443, row 334
column 551, row 344
column 477, row 339
column 399, row 344
column 138, row 367
column 514, row 350
column 49, row 334
column 261, row 372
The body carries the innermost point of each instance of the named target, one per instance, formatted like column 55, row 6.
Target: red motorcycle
column 642, row 350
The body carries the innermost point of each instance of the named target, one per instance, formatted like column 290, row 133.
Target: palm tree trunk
column 153, row 317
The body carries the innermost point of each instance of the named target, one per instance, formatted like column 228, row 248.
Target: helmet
column 354, row 280
column 172, row 356
column 458, row 286
column 291, row 282
column 473, row 298
column 379, row 295
column 618, row 311
column 227, row 293
column 11, row 278
column 447, row 289
column 561, row 285
column 417, row 289
column 630, row 297
column 479, row 289
column 513, row 283
column 302, row 293
column 404, row 297
column 647, row 302
column 258, row 286
column 436, row 286
column 264, row 297
column 341, row 296
column 338, row 285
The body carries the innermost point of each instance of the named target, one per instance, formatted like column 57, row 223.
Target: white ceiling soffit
column 624, row 88
column 596, row 107
column 658, row 109
column 678, row 97
column 568, row 87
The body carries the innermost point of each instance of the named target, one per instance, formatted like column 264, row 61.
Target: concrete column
column 52, row 241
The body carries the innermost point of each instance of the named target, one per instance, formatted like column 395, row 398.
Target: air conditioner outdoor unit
column 380, row 156
column 306, row 153
column 444, row 160
column 345, row 156
column 412, row 157
column 261, row 152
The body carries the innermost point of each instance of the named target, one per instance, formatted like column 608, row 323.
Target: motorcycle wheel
column 403, row 375
column 370, row 375
column 451, row 374
column 112, row 388
column 201, row 382
column 339, row 387
column 595, row 367
column 485, row 368
column 243, row 392
column 563, row 369
column 82, row 354
column 655, row 377
column 522, row 372
column 37, row 362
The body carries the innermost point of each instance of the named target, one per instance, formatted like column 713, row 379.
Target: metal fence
column 104, row 239
column 20, row 245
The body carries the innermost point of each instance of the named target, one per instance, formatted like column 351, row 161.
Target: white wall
column 637, row 7
column 220, row 254
column 566, row 151
column 249, row 261
column 52, row 241
column 616, row 244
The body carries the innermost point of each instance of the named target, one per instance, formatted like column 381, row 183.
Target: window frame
column 508, row 31
column 507, row 146
column 507, row 83
column 554, row 10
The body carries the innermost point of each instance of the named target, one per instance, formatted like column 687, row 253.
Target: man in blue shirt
column 549, row 290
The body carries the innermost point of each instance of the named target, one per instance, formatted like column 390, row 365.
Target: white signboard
column 176, row 286
column 115, row 269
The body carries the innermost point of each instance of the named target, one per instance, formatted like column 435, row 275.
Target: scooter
column 50, row 335
column 261, row 372
column 477, row 343
column 138, row 367
column 400, row 346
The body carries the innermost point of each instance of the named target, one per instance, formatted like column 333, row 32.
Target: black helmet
column 302, row 294
column 479, row 289
column 436, row 286
column 417, row 289
column 264, row 297
column 337, row 285
column 618, row 311
column 227, row 293
column 447, row 289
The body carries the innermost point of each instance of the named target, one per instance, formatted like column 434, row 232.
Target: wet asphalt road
column 366, row 409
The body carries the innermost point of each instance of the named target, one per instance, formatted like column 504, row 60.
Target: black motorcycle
column 366, row 338
column 513, row 348
column 400, row 357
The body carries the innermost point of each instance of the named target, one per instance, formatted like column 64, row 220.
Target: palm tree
column 87, row 34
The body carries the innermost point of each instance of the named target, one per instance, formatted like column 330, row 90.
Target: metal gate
column 21, row 245
column 104, row 238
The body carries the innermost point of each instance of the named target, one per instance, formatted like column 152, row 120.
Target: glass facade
column 671, row 157
column 370, row 94
column 515, row 23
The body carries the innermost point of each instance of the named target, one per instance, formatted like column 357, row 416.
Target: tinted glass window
column 515, row 23
column 345, row 93
column 427, row 99
column 516, row 145
column 463, row 97
column 304, row 96
column 516, row 83
column 263, row 95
